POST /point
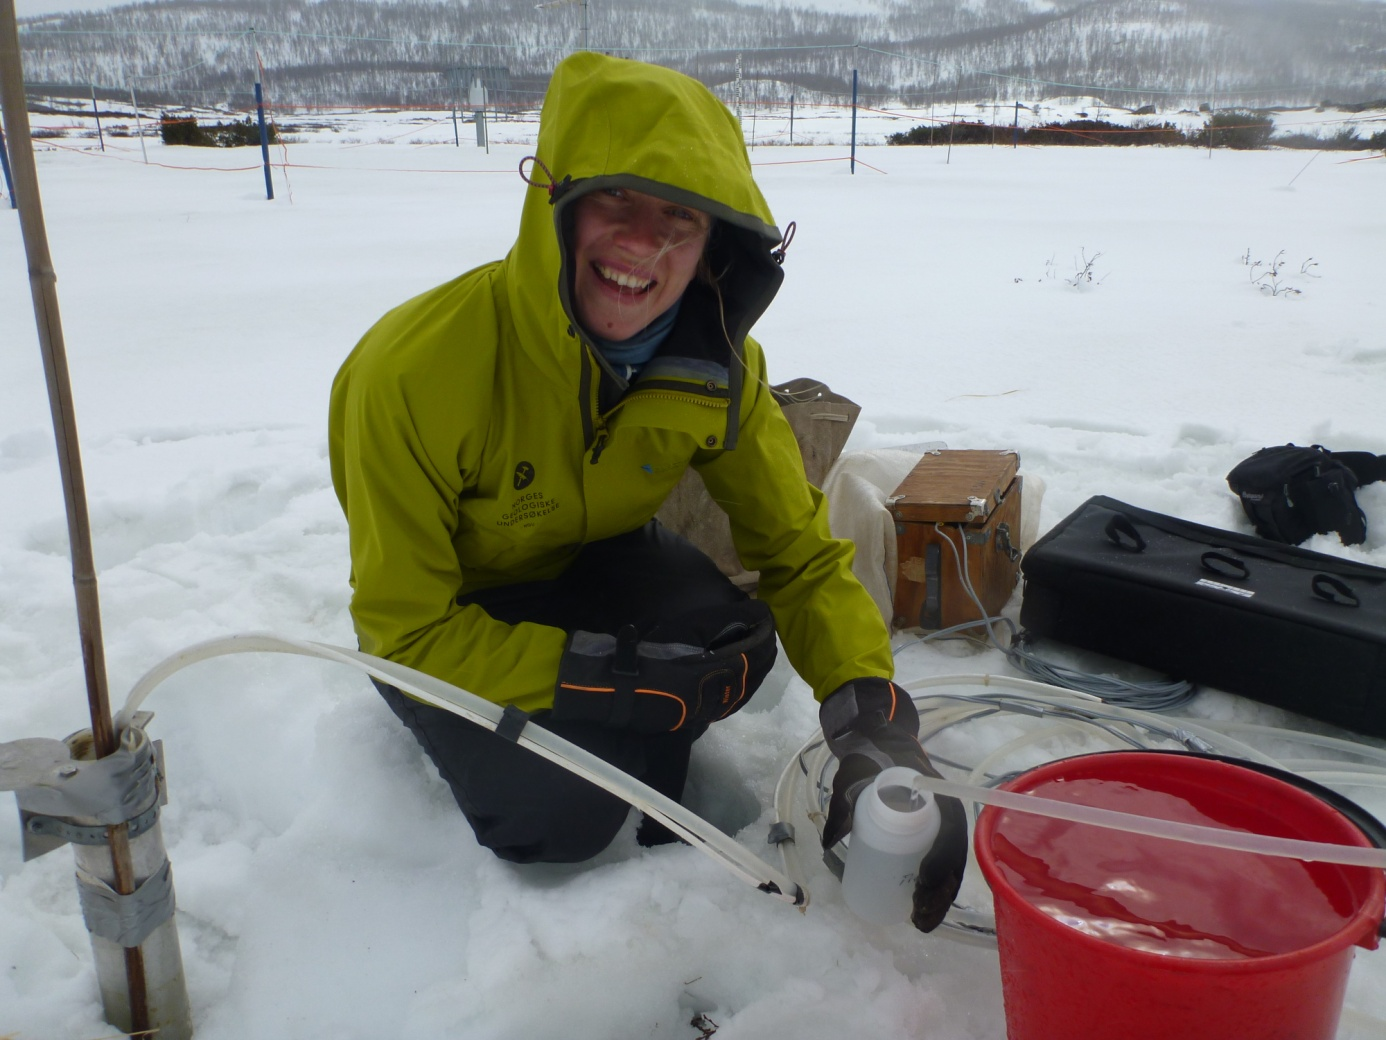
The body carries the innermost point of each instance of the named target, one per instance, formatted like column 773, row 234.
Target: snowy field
column 327, row 885
column 72, row 120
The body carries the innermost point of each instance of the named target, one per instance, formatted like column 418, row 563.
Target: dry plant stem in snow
column 1085, row 273
column 1269, row 280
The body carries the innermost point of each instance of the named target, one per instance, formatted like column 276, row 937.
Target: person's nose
column 642, row 232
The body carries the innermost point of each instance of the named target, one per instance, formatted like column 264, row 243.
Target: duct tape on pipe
column 126, row 920
column 108, row 790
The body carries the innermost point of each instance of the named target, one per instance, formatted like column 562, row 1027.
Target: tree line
column 417, row 52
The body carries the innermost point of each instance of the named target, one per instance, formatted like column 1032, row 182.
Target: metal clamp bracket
column 41, row 826
column 74, row 799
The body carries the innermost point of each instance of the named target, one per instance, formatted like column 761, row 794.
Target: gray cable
column 1151, row 695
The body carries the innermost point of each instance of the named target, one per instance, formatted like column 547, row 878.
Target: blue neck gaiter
column 628, row 356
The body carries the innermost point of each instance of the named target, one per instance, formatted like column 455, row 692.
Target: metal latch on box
column 1003, row 542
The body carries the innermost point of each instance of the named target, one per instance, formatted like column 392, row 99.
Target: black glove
column 871, row 724
column 686, row 673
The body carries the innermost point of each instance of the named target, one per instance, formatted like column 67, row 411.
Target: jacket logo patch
column 524, row 475
column 527, row 510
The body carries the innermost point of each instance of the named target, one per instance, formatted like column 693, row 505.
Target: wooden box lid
column 960, row 486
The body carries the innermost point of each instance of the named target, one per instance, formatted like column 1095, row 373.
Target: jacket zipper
column 588, row 406
column 595, row 424
column 592, row 417
column 601, row 432
column 685, row 397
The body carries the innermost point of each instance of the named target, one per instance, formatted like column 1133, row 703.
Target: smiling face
column 633, row 256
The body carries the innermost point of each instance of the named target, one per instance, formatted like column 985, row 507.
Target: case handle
column 1333, row 590
column 1122, row 533
column 1223, row 563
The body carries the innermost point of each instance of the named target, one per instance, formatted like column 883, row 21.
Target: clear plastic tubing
column 1240, row 841
column 894, row 824
column 702, row 835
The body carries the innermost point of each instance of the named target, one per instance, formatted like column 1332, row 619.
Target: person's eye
column 686, row 217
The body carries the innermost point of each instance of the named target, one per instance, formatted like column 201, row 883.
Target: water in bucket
column 1104, row 935
column 1161, row 896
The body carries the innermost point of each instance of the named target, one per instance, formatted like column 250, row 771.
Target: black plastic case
column 1281, row 625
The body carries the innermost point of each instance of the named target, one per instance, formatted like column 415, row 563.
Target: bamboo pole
column 43, row 287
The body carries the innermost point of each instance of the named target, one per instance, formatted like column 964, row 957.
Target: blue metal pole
column 852, row 166
column 97, row 112
column 456, row 77
column 264, row 139
column 5, row 163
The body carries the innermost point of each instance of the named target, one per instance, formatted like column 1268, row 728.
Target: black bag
column 1272, row 622
column 1290, row 493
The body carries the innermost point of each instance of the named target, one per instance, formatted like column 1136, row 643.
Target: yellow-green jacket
column 469, row 449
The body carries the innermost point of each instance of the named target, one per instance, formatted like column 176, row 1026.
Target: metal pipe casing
column 165, row 986
column 142, row 919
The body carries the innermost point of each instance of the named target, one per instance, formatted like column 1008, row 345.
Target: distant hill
column 351, row 52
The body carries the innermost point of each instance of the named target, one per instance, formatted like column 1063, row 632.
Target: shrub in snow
column 1236, row 129
column 185, row 130
column 1076, row 131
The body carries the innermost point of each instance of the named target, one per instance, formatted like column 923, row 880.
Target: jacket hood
column 608, row 122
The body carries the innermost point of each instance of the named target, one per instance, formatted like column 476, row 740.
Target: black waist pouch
column 1281, row 625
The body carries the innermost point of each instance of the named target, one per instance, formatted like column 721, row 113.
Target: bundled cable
column 1143, row 695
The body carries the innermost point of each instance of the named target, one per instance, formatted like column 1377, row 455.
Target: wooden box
column 958, row 512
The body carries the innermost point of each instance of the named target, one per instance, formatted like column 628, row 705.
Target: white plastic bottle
column 893, row 826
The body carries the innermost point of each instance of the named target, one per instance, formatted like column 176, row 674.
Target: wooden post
column 43, row 287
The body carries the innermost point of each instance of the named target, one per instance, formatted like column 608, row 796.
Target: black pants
column 523, row 807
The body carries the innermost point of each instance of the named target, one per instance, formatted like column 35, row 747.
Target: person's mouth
column 624, row 281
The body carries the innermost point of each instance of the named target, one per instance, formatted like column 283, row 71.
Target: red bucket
column 1105, row 934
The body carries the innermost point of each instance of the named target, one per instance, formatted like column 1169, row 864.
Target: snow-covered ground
column 327, row 885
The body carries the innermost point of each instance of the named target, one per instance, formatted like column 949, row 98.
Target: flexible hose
column 1042, row 700
column 1023, row 696
column 1309, row 765
column 1344, row 779
column 804, row 788
column 1153, row 827
column 700, row 834
column 1315, row 739
column 982, row 769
